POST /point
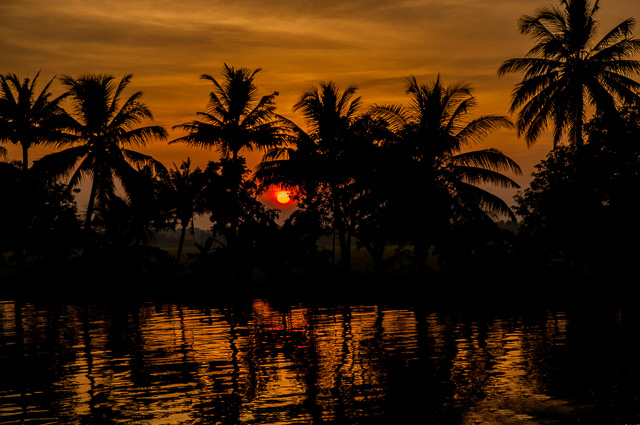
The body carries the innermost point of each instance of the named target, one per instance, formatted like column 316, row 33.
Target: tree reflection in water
column 258, row 364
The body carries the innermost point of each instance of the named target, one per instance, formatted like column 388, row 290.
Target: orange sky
column 375, row 44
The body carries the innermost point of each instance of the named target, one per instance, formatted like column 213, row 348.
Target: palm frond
column 532, row 67
column 471, row 195
column 620, row 52
column 200, row 134
column 395, row 116
column 481, row 175
column 621, row 31
column 61, row 163
column 142, row 160
column 141, row 136
column 490, row 159
column 124, row 82
column 478, row 129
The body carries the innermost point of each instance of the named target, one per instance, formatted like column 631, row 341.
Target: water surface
column 259, row 363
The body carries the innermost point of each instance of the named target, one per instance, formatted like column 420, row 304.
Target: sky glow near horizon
column 374, row 44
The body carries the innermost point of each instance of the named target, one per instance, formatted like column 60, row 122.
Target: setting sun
column 283, row 197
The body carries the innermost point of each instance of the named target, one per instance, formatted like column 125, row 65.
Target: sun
column 283, row 197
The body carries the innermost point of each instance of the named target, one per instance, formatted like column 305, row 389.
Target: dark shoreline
column 434, row 290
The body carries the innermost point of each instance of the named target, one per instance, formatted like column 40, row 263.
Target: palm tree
column 318, row 163
column 104, row 129
column 288, row 165
column 186, row 186
column 566, row 71
column 433, row 143
column 235, row 118
column 28, row 118
column 329, row 114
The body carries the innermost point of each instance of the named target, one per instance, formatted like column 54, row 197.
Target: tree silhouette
column 376, row 180
column 125, row 228
column 577, row 214
column 186, row 186
column 330, row 114
column 319, row 162
column 348, row 171
column 28, row 118
column 104, row 130
column 146, row 210
column 434, row 161
column 40, row 224
column 241, row 224
column 566, row 71
column 235, row 118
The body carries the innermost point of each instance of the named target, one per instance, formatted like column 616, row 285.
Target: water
column 258, row 363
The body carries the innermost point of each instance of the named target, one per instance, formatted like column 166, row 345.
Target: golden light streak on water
column 256, row 364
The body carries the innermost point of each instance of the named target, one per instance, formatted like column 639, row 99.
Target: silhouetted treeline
column 402, row 183
column 574, row 218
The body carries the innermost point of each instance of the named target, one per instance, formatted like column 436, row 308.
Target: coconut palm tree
column 105, row 128
column 316, row 160
column 28, row 118
column 186, row 186
column 566, row 72
column 329, row 112
column 433, row 156
column 235, row 117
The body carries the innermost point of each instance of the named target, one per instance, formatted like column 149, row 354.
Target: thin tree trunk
column 377, row 255
column 24, row 185
column 25, row 158
column 334, row 247
column 347, row 244
column 183, row 233
column 345, row 249
column 421, row 255
column 92, row 196
column 577, row 130
column 339, row 225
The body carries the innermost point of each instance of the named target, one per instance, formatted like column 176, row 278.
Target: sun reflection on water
column 179, row 364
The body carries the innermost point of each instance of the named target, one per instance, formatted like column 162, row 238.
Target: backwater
column 259, row 362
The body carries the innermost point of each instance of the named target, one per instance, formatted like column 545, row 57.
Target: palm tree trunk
column 90, row 206
column 421, row 255
column 339, row 225
column 345, row 249
column 578, row 120
column 579, row 124
column 347, row 244
column 183, row 233
column 376, row 251
column 25, row 158
column 333, row 262
column 25, row 212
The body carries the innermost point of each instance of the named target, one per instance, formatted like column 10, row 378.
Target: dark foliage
column 580, row 211
column 40, row 225
column 242, row 226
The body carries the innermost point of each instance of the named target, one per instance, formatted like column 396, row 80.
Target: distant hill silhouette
column 508, row 225
column 171, row 238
